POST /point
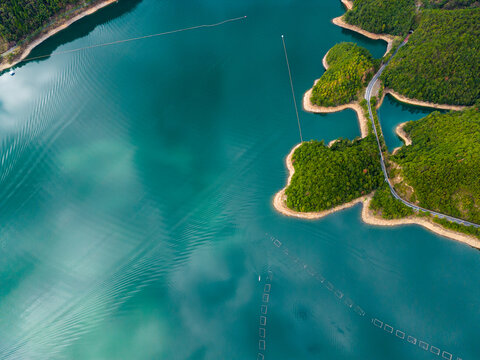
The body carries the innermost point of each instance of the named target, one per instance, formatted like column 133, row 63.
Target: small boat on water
column 12, row 72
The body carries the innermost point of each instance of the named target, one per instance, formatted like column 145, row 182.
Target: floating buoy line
column 137, row 38
column 293, row 91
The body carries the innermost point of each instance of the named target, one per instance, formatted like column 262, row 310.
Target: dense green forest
column 443, row 163
column 441, row 61
column 346, row 76
column 450, row 4
column 394, row 17
column 384, row 204
column 20, row 18
column 326, row 177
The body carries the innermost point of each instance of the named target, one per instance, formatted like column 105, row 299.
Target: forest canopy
column 326, row 177
column 441, row 62
column 384, row 204
column 443, row 163
column 345, row 78
column 450, row 4
column 20, row 18
column 394, row 17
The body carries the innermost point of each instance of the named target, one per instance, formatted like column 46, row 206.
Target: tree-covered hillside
column 385, row 205
column 441, row 61
column 20, row 18
column 450, row 4
column 443, row 163
column 394, row 17
column 340, row 84
column 326, row 177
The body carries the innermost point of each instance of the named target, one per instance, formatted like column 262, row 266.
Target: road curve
column 368, row 95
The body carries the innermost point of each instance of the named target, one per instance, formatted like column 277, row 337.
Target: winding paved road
column 368, row 95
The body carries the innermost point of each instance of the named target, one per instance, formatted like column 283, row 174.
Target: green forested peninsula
column 394, row 17
column 326, row 177
column 441, row 62
column 349, row 66
column 443, row 163
column 20, row 18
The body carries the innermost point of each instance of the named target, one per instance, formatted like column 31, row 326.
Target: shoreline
column 324, row 61
column 385, row 37
column 355, row 106
column 369, row 218
column 53, row 31
column 402, row 134
column 309, row 107
column 415, row 102
column 279, row 200
column 348, row 4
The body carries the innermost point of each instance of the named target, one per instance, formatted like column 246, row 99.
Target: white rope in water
column 291, row 85
column 401, row 334
column 138, row 38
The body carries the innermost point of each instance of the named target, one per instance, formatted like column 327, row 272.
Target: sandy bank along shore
column 280, row 199
column 348, row 4
column 385, row 37
column 5, row 65
column 370, row 218
column 309, row 107
column 279, row 203
column 402, row 134
column 324, row 61
column 406, row 100
column 389, row 39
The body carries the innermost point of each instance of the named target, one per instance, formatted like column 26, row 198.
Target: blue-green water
column 136, row 188
column 392, row 113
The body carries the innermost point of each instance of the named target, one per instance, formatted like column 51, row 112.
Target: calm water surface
column 392, row 113
column 136, row 187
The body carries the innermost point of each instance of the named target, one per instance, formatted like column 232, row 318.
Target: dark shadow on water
column 361, row 39
column 414, row 109
column 81, row 28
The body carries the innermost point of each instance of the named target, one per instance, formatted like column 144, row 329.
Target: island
column 431, row 60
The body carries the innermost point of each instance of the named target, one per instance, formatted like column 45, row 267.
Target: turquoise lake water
column 136, row 188
column 392, row 113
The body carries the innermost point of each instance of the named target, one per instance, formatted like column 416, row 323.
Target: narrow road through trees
column 368, row 95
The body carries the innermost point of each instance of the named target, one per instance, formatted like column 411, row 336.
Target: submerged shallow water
column 136, row 188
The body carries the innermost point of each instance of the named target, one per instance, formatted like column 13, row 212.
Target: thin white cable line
column 291, row 85
column 138, row 38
